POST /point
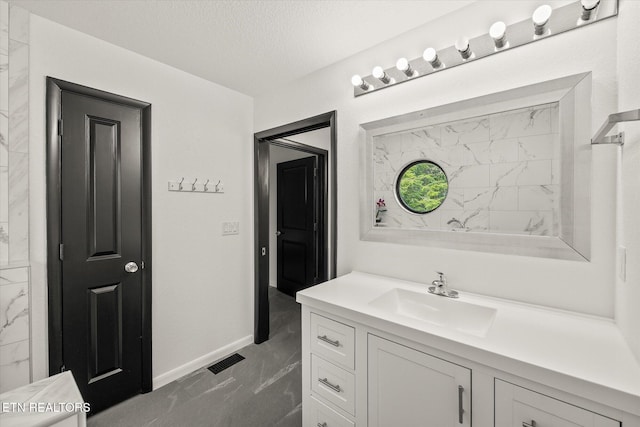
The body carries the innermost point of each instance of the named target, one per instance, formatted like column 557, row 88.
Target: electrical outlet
column 230, row 227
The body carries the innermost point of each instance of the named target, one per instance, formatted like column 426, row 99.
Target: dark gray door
column 101, row 221
column 297, row 225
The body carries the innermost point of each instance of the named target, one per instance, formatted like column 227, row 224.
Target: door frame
column 55, row 87
column 262, row 141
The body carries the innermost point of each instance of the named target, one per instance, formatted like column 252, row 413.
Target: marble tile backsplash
column 503, row 172
column 14, row 198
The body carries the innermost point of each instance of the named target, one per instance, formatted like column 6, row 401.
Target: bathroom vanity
column 380, row 352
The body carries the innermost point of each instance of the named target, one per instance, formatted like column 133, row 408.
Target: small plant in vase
column 380, row 207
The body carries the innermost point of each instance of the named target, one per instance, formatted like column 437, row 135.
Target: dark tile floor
column 263, row 390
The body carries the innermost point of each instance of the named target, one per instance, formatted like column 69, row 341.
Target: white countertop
column 584, row 355
column 41, row 403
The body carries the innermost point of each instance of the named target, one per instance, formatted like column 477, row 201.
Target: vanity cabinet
column 369, row 359
column 409, row 388
column 518, row 406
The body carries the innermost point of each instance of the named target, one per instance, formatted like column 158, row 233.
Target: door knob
column 278, row 233
column 131, row 267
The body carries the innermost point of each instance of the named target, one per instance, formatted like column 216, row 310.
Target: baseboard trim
column 200, row 362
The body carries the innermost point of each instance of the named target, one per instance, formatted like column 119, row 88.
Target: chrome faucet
column 440, row 287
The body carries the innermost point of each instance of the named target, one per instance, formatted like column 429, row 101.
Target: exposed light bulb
column 498, row 32
column 431, row 56
column 588, row 8
column 403, row 65
column 540, row 18
column 357, row 81
column 379, row 74
column 462, row 44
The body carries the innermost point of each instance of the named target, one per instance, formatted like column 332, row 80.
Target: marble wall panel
column 465, row 220
column 538, row 147
column 469, row 176
column 538, row 197
column 523, row 122
column 18, row 96
column 4, row 131
column 506, row 163
column 14, row 365
column 521, row 173
column 4, row 243
column 14, row 208
column 14, row 313
column 18, row 207
column 466, row 132
column 491, row 198
column 4, row 28
column 493, row 151
column 4, row 191
column 19, row 24
column 522, row 222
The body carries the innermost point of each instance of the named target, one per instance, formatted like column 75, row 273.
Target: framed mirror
column 507, row 172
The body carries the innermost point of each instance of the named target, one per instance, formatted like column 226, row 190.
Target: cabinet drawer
column 333, row 340
column 333, row 383
column 323, row 416
column 517, row 406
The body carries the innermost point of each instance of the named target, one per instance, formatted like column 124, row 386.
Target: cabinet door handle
column 526, row 424
column 326, row 382
column 322, row 424
column 460, row 408
column 324, row 338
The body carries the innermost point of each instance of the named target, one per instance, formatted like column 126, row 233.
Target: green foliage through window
column 422, row 186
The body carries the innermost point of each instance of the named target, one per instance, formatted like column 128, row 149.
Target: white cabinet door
column 409, row 388
column 518, row 407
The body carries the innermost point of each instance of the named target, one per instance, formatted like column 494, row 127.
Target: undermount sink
column 436, row 310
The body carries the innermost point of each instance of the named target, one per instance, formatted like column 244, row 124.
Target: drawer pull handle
column 326, row 382
column 526, row 424
column 322, row 424
column 460, row 408
column 324, row 338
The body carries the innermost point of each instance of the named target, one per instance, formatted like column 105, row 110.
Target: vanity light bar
column 544, row 22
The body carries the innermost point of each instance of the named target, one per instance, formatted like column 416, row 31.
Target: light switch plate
column 230, row 227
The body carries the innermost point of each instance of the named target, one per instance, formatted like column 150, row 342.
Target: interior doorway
column 297, row 140
column 99, row 241
column 297, row 227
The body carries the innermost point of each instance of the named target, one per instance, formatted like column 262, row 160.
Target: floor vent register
column 220, row 366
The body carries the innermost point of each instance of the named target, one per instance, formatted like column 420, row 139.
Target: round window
column 422, row 187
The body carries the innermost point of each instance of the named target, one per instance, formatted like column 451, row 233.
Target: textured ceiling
column 248, row 46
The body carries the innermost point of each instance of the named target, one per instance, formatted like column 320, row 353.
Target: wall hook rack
column 195, row 186
column 613, row 119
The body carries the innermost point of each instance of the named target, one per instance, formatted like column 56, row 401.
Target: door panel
column 105, row 312
column 101, row 216
column 412, row 389
column 294, row 269
column 297, row 216
column 104, row 187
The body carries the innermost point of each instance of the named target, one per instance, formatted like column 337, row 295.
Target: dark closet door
column 297, row 225
column 101, row 219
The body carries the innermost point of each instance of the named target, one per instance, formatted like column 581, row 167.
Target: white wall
column 202, row 282
column 276, row 155
column 628, row 292
column 581, row 286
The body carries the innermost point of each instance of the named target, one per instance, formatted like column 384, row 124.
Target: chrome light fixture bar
column 544, row 22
